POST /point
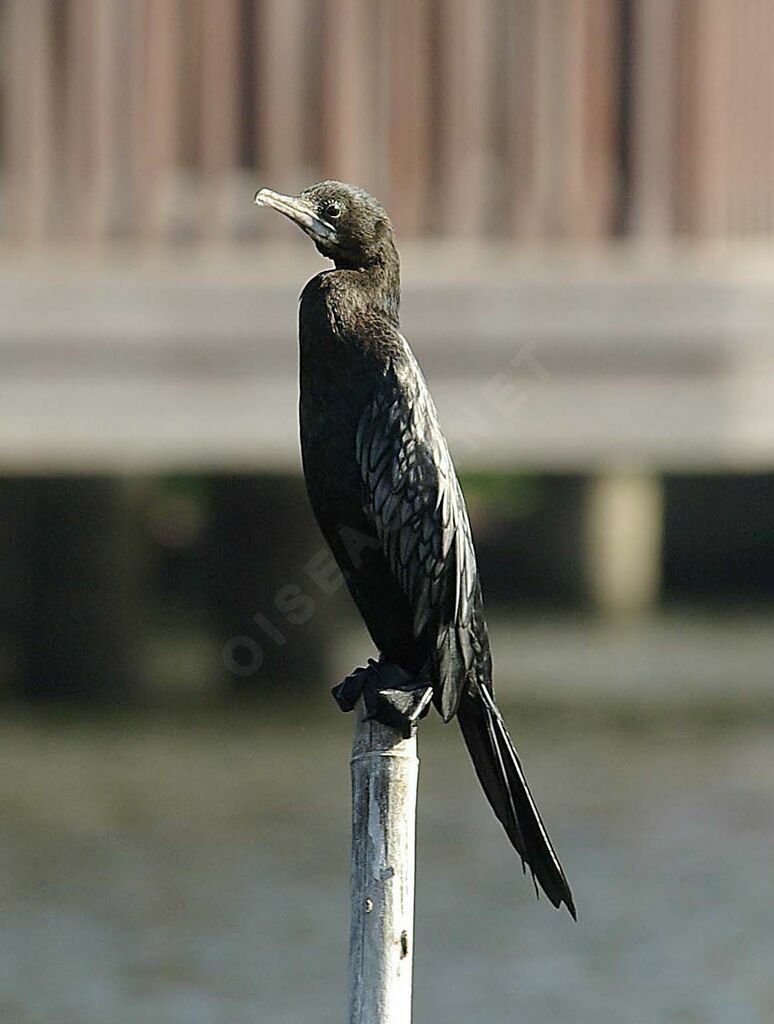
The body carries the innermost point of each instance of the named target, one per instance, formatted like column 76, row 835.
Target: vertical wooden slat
column 600, row 138
column 409, row 114
column 766, row 47
column 29, row 118
column 380, row 59
column 348, row 124
column 281, row 75
column 219, row 110
column 652, row 124
column 572, row 119
column 578, row 70
column 521, row 147
column 141, row 192
column 119, row 136
column 685, row 157
column 751, row 127
column 761, row 102
column 90, row 131
column 105, row 156
column 751, row 154
column 740, row 119
column 711, row 113
column 79, row 97
column 548, row 71
column 155, row 40
column 464, row 110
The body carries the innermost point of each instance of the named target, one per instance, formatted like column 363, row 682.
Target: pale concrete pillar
column 624, row 528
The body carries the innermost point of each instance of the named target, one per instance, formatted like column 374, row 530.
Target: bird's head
column 345, row 222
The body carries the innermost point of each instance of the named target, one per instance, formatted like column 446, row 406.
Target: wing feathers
column 421, row 520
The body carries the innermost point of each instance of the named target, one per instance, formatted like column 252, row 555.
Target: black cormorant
column 383, row 488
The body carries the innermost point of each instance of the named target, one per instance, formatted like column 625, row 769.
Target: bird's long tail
column 502, row 778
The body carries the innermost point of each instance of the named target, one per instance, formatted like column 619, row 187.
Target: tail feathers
column 502, row 779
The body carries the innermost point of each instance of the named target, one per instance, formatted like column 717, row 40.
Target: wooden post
column 385, row 769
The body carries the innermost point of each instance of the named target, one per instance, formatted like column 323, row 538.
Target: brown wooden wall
column 524, row 119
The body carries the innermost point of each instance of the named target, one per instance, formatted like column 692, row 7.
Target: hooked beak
column 300, row 212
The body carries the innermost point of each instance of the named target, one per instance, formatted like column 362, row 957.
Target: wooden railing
column 523, row 119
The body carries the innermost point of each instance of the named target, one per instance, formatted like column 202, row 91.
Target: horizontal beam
column 552, row 363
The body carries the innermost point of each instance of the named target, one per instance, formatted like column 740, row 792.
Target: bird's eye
column 332, row 211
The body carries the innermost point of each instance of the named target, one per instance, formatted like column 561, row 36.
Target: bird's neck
column 376, row 285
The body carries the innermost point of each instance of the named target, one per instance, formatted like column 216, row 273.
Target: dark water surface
column 167, row 872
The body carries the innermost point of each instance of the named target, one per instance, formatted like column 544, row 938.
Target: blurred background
column 584, row 196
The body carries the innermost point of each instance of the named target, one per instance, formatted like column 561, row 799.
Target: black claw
column 401, row 709
column 348, row 692
column 391, row 696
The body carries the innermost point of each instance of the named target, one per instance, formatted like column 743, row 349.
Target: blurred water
column 197, row 872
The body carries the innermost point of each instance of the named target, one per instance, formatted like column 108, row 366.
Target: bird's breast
column 331, row 402
column 344, row 359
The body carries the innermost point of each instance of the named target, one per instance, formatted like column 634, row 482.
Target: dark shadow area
column 719, row 539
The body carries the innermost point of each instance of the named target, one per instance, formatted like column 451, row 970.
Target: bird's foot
column 391, row 696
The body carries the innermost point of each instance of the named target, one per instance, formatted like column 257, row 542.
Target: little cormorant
column 383, row 488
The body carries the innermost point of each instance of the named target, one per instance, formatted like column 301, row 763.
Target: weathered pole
column 385, row 769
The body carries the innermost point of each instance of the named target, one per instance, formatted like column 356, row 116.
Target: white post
column 624, row 539
column 385, row 769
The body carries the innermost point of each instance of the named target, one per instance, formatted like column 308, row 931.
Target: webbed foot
column 391, row 696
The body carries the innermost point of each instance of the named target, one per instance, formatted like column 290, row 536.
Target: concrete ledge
column 564, row 361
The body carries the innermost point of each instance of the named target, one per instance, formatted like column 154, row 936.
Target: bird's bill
column 299, row 211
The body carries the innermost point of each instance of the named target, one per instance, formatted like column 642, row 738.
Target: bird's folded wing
column 420, row 518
